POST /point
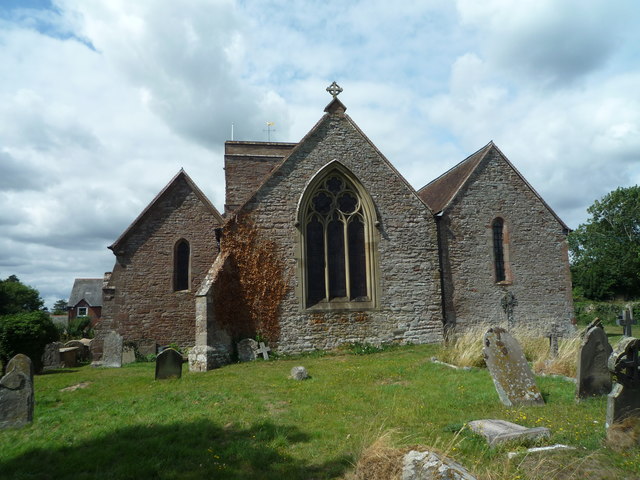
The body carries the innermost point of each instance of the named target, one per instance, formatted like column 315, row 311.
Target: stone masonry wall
column 536, row 250
column 409, row 284
column 139, row 300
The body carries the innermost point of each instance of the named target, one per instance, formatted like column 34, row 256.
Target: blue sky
column 101, row 103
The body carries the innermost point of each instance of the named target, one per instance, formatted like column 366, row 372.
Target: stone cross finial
column 625, row 321
column 334, row 89
column 264, row 351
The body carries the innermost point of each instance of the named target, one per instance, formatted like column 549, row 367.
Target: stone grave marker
column 625, row 321
column 593, row 377
column 509, row 303
column 146, row 347
column 509, row 369
column 168, row 364
column 624, row 399
column 16, row 393
column 299, row 373
column 432, row 466
column 112, row 350
column 501, row 431
column 69, row 356
column 247, row 350
column 128, row 355
column 51, row 356
column 553, row 335
column 83, row 349
column 264, row 351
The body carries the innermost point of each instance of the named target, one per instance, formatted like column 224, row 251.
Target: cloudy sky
column 102, row 102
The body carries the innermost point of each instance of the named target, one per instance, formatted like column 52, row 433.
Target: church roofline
column 115, row 246
column 441, row 192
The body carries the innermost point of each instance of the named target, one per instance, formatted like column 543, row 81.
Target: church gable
column 357, row 243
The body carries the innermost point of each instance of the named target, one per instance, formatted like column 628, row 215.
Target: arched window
column 336, row 227
column 498, row 250
column 181, row 256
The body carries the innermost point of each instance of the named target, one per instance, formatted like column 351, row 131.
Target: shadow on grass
column 54, row 371
column 180, row 451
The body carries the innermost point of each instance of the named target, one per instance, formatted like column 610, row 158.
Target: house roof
column 87, row 289
column 441, row 192
column 180, row 176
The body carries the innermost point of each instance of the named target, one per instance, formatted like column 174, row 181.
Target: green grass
column 249, row 420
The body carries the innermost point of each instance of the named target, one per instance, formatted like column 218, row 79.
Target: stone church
column 323, row 242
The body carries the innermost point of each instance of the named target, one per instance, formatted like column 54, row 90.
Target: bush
column 80, row 327
column 26, row 333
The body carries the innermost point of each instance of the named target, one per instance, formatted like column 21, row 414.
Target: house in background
column 86, row 299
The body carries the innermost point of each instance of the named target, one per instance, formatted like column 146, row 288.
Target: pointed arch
column 336, row 221
column 181, row 265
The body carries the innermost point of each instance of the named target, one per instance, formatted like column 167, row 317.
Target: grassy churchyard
column 357, row 415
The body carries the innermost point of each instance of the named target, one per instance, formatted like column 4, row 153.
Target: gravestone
column 146, row 347
column 501, row 431
column 16, row 393
column 128, row 355
column 264, row 351
column 69, row 356
column 83, row 349
column 593, row 377
column 299, row 373
column 51, row 355
column 509, row 369
column 553, row 335
column 247, row 350
column 624, row 364
column 625, row 321
column 168, row 364
column 509, row 303
column 112, row 350
column 431, row 466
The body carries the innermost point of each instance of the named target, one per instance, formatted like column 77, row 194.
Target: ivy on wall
column 252, row 285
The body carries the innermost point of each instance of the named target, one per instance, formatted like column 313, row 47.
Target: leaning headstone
column 299, row 373
column 593, row 377
column 112, row 350
column 509, row 369
column 168, row 364
column 430, row 466
column 264, row 351
column 16, row 393
column 247, row 350
column 501, row 431
column 51, row 355
column 624, row 400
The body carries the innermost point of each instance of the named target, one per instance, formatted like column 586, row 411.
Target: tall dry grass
column 464, row 349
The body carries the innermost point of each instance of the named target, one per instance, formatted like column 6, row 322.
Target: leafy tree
column 16, row 297
column 60, row 307
column 605, row 251
column 26, row 333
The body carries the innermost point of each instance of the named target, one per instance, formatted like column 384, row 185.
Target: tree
column 26, row 333
column 16, row 297
column 605, row 251
column 60, row 307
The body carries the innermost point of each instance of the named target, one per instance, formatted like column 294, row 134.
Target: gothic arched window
column 336, row 226
column 181, row 256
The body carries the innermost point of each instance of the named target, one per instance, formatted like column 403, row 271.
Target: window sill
column 340, row 305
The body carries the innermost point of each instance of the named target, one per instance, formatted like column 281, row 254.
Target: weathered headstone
column 501, row 431
column 299, row 373
column 128, row 355
column 553, row 335
column 625, row 321
column 431, row 466
column 509, row 369
column 146, row 347
column 624, row 399
column 247, row 350
column 592, row 376
column 168, row 364
column 264, row 351
column 83, row 349
column 51, row 355
column 112, row 350
column 509, row 303
column 69, row 356
column 16, row 393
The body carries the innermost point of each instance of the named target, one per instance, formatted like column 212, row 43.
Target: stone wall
column 536, row 248
column 409, row 301
column 138, row 299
